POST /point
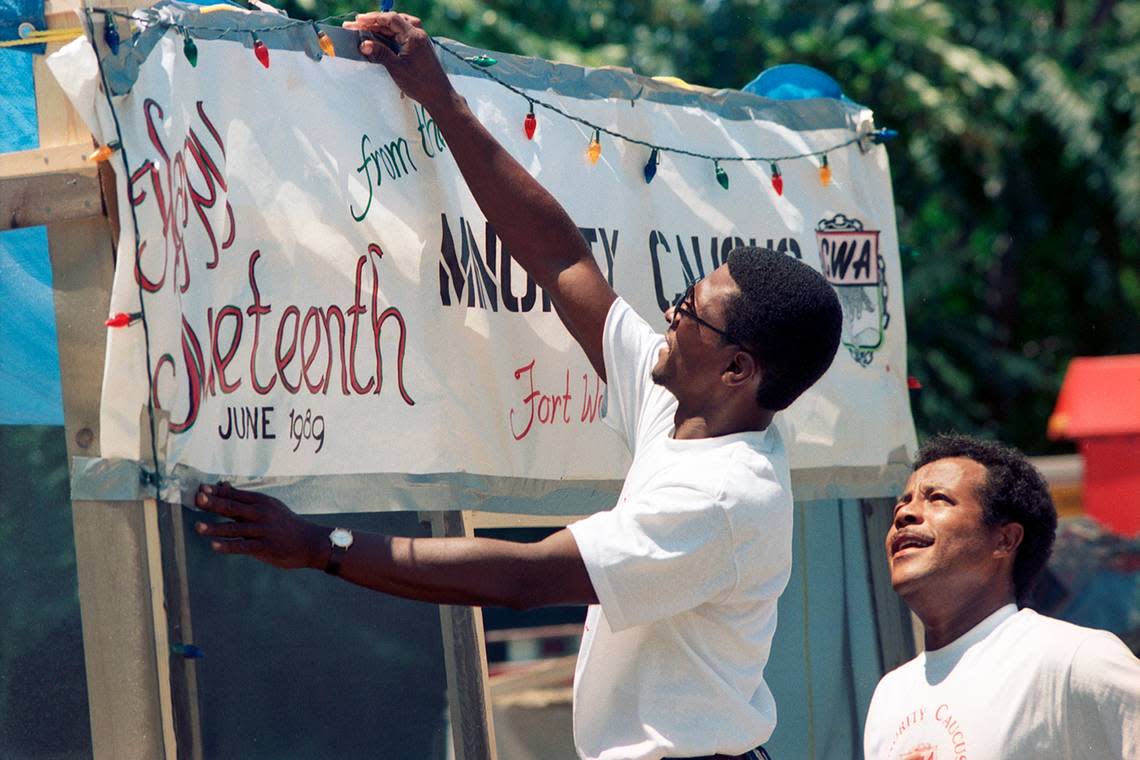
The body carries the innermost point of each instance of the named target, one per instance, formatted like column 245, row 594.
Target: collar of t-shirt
column 938, row 663
column 757, row 439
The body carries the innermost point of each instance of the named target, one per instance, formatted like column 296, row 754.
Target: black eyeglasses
column 687, row 306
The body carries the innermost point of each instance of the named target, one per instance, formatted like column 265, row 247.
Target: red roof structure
column 1100, row 396
column 1099, row 407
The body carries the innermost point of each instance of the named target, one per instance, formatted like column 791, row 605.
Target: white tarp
column 324, row 297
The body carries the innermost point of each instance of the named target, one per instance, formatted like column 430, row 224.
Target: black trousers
column 753, row 754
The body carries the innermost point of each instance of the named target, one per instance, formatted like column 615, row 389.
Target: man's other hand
column 262, row 527
column 415, row 67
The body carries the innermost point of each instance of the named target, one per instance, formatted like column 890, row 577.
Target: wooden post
column 123, row 574
column 111, row 548
column 465, row 659
column 185, row 713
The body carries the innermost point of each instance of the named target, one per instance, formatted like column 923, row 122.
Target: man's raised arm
column 531, row 223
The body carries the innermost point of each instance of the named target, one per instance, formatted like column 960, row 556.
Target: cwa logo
column 850, row 260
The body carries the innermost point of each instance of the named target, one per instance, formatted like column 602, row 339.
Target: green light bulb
column 190, row 50
column 721, row 176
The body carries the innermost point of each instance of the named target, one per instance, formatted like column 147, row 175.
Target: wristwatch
column 341, row 539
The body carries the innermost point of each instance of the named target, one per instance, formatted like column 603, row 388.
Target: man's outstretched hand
column 415, row 67
column 262, row 527
column 529, row 221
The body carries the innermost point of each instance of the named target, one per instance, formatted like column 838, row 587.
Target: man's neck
column 694, row 426
column 945, row 625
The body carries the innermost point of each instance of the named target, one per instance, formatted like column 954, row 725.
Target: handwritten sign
column 323, row 296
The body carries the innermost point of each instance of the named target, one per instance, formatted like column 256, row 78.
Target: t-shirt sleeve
column 629, row 347
column 1104, row 697
column 648, row 561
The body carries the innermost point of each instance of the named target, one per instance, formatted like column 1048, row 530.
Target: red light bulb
column 121, row 319
column 530, row 123
column 777, row 180
column 261, row 51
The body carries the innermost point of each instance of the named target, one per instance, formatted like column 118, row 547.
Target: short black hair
column 1014, row 491
column 788, row 316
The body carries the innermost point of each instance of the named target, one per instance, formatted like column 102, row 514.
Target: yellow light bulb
column 102, row 153
column 594, row 151
column 326, row 44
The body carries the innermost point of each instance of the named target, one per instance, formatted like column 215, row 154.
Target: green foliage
column 1017, row 176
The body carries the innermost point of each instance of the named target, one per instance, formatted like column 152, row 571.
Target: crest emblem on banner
column 849, row 258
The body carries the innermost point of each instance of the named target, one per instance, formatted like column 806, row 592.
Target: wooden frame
column 130, row 555
column 125, row 578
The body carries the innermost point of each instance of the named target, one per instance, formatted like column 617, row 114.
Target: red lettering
column 591, row 402
column 192, row 360
column 221, row 362
column 257, row 311
column 284, row 359
column 566, row 400
column 377, row 325
column 307, row 359
column 528, row 370
column 174, row 193
column 334, row 312
column 307, row 340
column 355, row 311
column 547, row 408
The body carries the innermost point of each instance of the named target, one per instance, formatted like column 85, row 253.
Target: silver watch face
column 341, row 538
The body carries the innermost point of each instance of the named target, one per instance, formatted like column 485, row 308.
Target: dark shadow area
column 43, row 684
column 301, row 665
column 503, row 619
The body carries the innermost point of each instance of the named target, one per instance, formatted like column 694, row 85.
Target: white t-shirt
column 687, row 568
column 1018, row 686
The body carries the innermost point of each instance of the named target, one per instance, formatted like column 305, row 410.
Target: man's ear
column 742, row 369
column 1009, row 539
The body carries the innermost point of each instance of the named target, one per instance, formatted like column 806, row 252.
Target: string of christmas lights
column 481, row 63
column 594, row 148
column 123, row 319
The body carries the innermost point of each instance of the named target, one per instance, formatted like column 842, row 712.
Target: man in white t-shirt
column 683, row 574
column 971, row 532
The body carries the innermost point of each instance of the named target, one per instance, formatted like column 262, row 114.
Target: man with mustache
column 683, row 574
column 971, row 532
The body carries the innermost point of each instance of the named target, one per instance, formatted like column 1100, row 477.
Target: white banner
column 322, row 295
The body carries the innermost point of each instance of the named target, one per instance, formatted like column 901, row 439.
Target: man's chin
column 660, row 373
column 908, row 584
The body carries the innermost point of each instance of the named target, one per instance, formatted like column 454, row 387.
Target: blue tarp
column 16, row 12
column 29, row 361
